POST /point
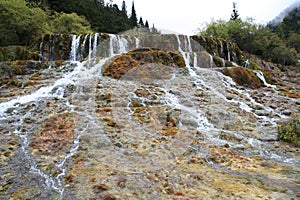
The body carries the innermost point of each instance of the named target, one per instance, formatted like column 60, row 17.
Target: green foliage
column 290, row 131
column 294, row 41
column 255, row 39
column 133, row 17
column 70, row 24
column 103, row 18
column 124, row 10
column 22, row 19
column 289, row 25
column 18, row 22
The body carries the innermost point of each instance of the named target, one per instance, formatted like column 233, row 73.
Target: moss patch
column 243, row 76
column 121, row 64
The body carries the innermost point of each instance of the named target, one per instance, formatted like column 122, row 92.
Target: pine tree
column 124, row 7
column 133, row 18
column 235, row 15
column 141, row 23
column 146, row 24
column 153, row 29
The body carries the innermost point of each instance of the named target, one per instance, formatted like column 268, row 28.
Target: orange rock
column 55, row 134
column 121, row 64
column 243, row 76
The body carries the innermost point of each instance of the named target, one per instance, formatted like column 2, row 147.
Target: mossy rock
column 218, row 61
column 289, row 131
column 10, row 53
column 119, row 66
column 221, row 48
column 122, row 64
column 228, row 64
column 243, row 76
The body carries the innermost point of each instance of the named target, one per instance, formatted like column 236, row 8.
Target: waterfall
column 41, row 56
column 228, row 53
column 123, row 44
column 94, row 53
column 211, row 61
column 83, row 47
column 189, row 44
column 221, row 47
column 90, row 48
column 185, row 57
column 215, row 44
column 112, row 37
column 177, row 118
column 223, row 62
column 195, row 60
column 117, row 44
column 74, row 47
column 260, row 75
column 137, row 42
column 52, row 57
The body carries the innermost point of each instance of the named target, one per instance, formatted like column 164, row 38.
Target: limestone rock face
column 121, row 64
column 146, row 117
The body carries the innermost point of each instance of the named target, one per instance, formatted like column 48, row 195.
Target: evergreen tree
column 146, row 24
column 133, row 17
column 154, row 30
column 235, row 15
column 141, row 23
column 124, row 7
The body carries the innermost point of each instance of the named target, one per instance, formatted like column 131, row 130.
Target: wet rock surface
column 156, row 132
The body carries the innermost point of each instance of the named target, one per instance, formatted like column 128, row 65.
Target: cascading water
column 260, row 75
column 211, row 63
column 185, row 57
column 52, row 39
column 41, row 49
column 221, row 46
column 95, row 44
column 74, row 47
column 83, row 47
column 137, row 42
column 228, row 52
column 146, row 136
column 118, row 44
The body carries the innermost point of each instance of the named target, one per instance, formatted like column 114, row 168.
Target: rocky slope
column 163, row 120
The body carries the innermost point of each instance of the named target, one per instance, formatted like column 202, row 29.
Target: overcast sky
column 185, row 16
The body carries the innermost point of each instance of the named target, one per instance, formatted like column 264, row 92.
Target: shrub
column 290, row 131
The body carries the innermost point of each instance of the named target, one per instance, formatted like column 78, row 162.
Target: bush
column 256, row 39
column 18, row 22
column 284, row 55
column 290, row 131
column 70, row 24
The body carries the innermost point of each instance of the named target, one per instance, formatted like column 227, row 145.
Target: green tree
column 124, row 10
column 294, row 41
column 70, row 24
column 284, row 55
column 256, row 39
column 147, row 24
column 141, row 23
column 133, row 17
column 154, row 30
column 235, row 15
column 19, row 23
column 37, row 3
